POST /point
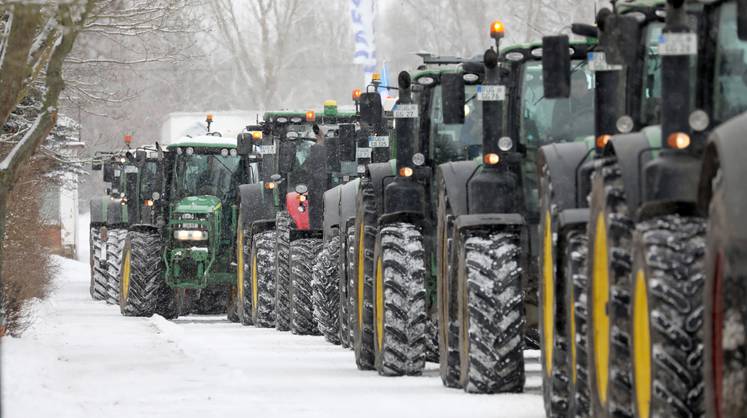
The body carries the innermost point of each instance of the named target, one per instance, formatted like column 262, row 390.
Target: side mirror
column 586, row 30
column 621, row 39
column 742, row 19
column 372, row 111
column 556, row 66
column 286, row 157
column 108, row 173
column 244, row 143
column 452, row 88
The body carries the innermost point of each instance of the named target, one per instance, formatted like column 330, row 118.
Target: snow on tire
column 98, row 274
column 282, row 271
column 114, row 250
column 141, row 283
column 302, row 255
column 400, row 301
column 326, row 290
column 491, row 312
column 263, row 307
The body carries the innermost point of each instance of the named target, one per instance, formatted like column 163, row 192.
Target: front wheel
column 399, row 301
column 326, row 291
column 302, row 255
column 281, row 263
column 141, row 282
column 491, row 312
column 114, row 250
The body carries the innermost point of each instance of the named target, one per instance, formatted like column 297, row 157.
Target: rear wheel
column 141, row 283
column 608, row 290
column 667, row 309
column 725, row 354
column 302, row 254
column 212, row 300
column 114, row 251
column 447, row 285
column 263, row 280
column 345, row 272
column 363, row 276
column 243, row 299
column 98, row 275
column 326, row 290
column 282, row 271
column 491, row 312
column 399, row 301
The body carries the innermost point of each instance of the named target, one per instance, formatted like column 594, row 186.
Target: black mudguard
column 563, row 161
column 455, row 176
column 570, row 218
column 379, row 173
column 256, row 205
column 490, row 220
column 99, row 207
column 632, row 156
column 116, row 215
column 348, row 200
column 726, row 152
column 332, row 211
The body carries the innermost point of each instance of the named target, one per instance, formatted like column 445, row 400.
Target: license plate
column 363, row 153
column 267, row 149
column 378, row 141
column 190, row 226
column 405, row 111
column 598, row 63
column 678, row 44
column 491, row 93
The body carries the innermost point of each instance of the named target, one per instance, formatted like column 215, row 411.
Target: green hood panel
column 198, row 204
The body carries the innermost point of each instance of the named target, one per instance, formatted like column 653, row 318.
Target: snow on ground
column 80, row 358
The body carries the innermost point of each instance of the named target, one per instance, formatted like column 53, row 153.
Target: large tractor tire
column 243, row 299
column 608, row 293
column 346, row 269
column 326, row 290
column 491, row 312
column 725, row 327
column 667, row 309
column 114, row 250
column 212, row 300
column 574, row 258
column 263, row 280
column 303, row 253
column 400, row 313
column 446, row 294
column 98, row 274
column 283, row 223
column 232, row 309
column 363, row 276
column 142, row 285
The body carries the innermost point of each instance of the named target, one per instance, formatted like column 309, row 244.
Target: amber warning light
column 497, row 29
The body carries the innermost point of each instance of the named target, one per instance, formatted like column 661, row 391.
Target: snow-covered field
column 80, row 358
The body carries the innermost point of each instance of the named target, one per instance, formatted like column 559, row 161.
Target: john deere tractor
column 185, row 252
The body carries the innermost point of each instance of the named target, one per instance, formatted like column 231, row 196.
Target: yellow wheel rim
column 600, row 298
column 380, row 303
column 572, row 336
column 641, row 346
column 361, row 279
column 255, row 285
column 240, row 266
column 126, row 269
column 548, row 299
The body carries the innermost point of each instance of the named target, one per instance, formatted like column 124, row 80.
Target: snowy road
column 82, row 359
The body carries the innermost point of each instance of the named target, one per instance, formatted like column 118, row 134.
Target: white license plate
column 267, row 149
column 598, row 63
column 363, row 153
column 678, row 44
column 378, row 141
column 405, row 111
column 491, row 93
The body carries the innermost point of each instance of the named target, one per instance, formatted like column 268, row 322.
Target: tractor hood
column 198, row 204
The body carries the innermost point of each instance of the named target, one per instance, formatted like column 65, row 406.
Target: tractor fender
column 562, row 161
column 332, row 218
column 348, row 200
column 99, row 207
column 490, row 221
column 379, row 173
column 633, row 152
column 455, row 176
column 255, row 203
column 571, row 218
column 116, row 214
column 725, row 157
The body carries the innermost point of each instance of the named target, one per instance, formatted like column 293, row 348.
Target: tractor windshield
column 205, row 174
column 651, row 93
column 545, row 120
column 149, row 179
column 730, row 88
column 455, row 142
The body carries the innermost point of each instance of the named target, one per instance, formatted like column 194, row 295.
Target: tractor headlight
column 183, row 235
column 505, row 144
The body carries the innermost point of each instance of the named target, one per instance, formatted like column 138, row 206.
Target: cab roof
column 204, row 141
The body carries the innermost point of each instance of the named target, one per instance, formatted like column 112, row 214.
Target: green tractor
column 656, row 293
column 489, row 213
column 182, row 256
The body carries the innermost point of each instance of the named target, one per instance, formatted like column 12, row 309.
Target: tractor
column 183, row 256
column 656, row 293
column 488, row 213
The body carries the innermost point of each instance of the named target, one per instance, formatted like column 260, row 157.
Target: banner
column 362, row 13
